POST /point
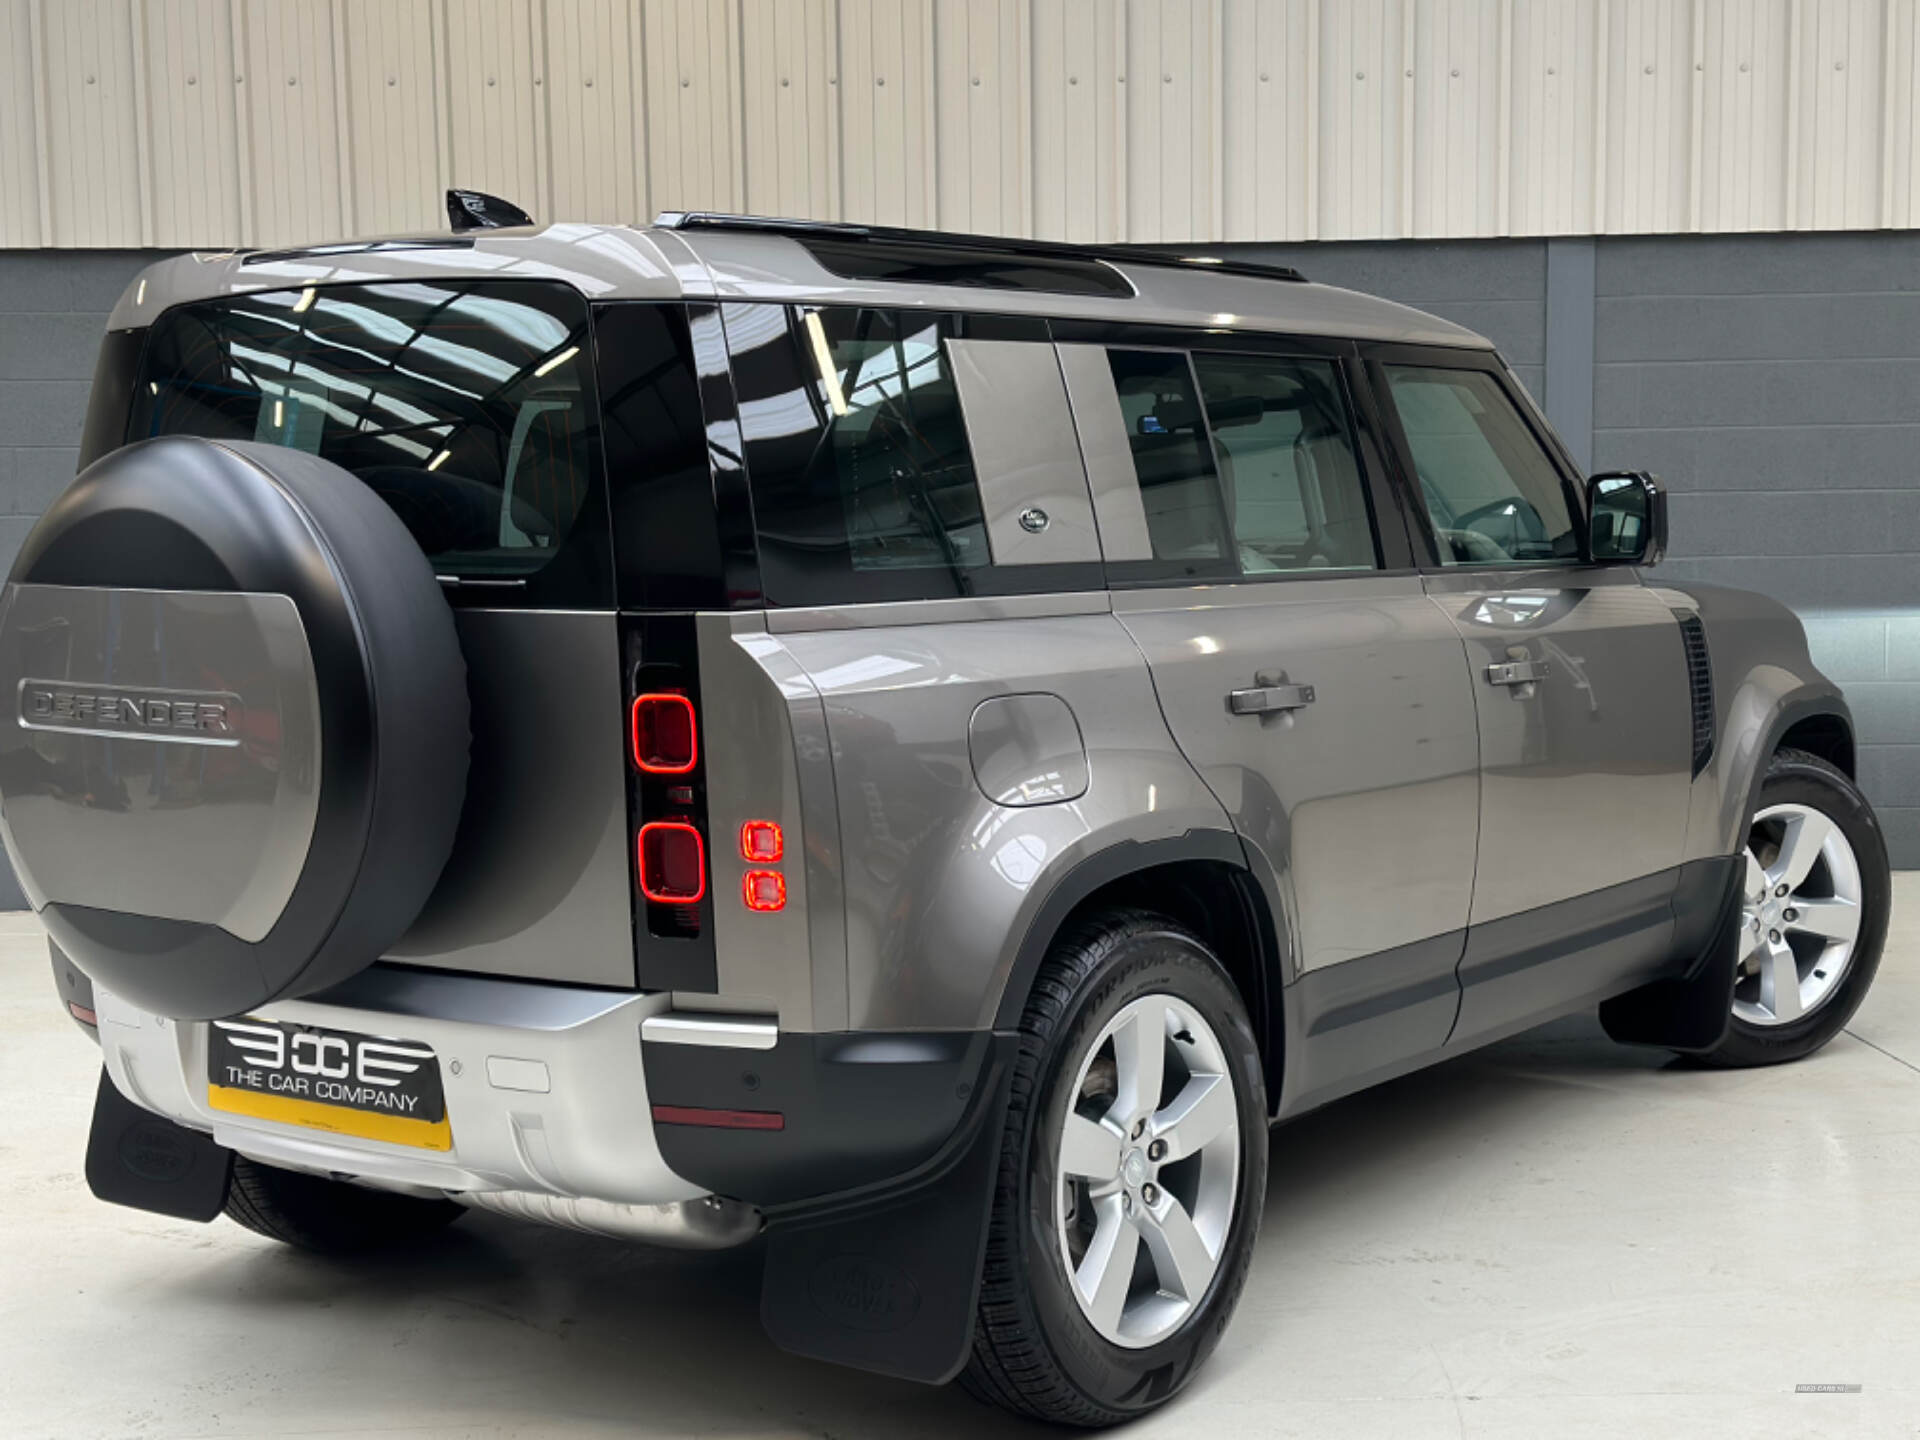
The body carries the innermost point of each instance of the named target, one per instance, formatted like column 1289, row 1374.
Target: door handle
column 1516, row 672
column 1269, row 699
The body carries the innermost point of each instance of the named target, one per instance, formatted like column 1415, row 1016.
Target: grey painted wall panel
column 1753, row 459
column 53, row 311
column 1804, row 264
column 1568, row 385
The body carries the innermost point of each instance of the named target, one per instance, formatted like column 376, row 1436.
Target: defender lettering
column 195, row 718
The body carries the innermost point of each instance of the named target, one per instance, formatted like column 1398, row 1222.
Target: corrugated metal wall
column 218, row 122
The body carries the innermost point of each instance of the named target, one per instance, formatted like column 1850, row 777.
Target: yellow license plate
column 368, row 1087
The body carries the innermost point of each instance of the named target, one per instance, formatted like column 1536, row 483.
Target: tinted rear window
column 468, row 407
column 863, row 482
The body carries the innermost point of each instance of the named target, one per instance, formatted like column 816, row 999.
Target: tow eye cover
column 237, row 751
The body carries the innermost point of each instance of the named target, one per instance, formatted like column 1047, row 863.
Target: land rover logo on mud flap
column 187, row 717
column 154, row 1150
column 862, row 1292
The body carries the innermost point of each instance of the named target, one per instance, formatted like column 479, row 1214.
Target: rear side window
column 1187, row 522
column 1245, row 463
column 863, row 482
column 1285, row 453
column 468, row 407
column 1493, row 495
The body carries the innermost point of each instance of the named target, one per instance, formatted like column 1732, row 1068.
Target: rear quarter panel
column 940, row 882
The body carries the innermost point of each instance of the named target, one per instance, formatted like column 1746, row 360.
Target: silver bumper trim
column 733, row 1032
column 706, row 1224
column 588, row 1136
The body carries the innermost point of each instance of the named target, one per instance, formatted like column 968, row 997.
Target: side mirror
column 1626, row 518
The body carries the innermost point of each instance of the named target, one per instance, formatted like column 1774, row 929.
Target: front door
column 1323, row 699
column 1579, row 681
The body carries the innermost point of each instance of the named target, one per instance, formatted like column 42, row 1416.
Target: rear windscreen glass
column 468, row 407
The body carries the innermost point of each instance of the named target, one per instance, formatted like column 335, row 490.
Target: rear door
column 1300, row 666
column 471, row 407
column 1580, row 685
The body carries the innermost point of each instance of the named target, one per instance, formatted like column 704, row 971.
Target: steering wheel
column 1515, row 504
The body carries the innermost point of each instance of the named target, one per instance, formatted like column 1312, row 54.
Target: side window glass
column 863, row 484
column 1493, row 495
column 1291, row 485
column 1172, row 459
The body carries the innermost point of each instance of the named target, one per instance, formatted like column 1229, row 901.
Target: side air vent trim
column 1693, row 636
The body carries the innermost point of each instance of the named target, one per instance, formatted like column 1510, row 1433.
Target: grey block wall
column 1773, row 381
column 53, row 310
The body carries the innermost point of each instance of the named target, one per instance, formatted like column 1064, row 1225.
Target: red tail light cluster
column 663, row 734
column 762, row 842
column 673, row 863
column 669, row 850
column 764, row 890
column 670, row 853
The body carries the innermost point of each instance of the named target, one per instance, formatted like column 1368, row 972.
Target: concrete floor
column 1554, row 1238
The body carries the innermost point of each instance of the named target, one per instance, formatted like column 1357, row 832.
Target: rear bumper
column 874, row 1185
column 588, row 1134
column 553, row 1091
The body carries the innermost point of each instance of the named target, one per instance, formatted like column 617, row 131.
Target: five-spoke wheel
column 1131, row 1176
column 1149, row 1157
column 1815, row 896
column 1801, row 914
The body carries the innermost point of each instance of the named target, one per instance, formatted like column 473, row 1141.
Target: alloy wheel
column 1149, row 1165
column 1801, row 913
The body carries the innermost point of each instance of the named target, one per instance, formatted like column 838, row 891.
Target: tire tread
column 1011, row 1365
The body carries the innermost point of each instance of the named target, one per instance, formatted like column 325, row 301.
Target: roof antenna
column 474, row 210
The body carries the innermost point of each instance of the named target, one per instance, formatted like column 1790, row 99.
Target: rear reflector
column 764, row 890
column 719, row 1119
column 83, row 1014
column 673, row 862
column 663, row 734
column 762, row 842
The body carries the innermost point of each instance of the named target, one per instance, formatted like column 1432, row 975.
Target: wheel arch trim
column 1809, row 702
column 1123, row 858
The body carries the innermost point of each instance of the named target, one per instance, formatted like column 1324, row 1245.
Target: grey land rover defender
column 920, row 747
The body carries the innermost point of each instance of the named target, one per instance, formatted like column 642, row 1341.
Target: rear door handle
column 1269, row 699
column 1516, row 672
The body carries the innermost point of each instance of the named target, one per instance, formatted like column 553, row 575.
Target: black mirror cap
column 475, row 210
column 1615, row 500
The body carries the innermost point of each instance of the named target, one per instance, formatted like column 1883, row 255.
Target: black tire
column 330, row 1217
column 1795, row 777
column 1034, row 1351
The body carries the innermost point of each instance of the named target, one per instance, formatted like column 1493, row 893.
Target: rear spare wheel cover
column 239, row 744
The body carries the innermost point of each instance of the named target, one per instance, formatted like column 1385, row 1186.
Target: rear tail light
column 764, row 890
column 83, row 1014
column 663, row 734
column 762, row 842
column 673, row 863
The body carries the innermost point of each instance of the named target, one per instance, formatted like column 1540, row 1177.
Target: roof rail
column 1010, row 245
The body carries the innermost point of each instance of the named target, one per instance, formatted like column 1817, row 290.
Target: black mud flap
column 136, row 1158
column 1690, row 1014
column 889, row 1283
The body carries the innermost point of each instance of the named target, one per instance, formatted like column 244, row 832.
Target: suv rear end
column 620, row 997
